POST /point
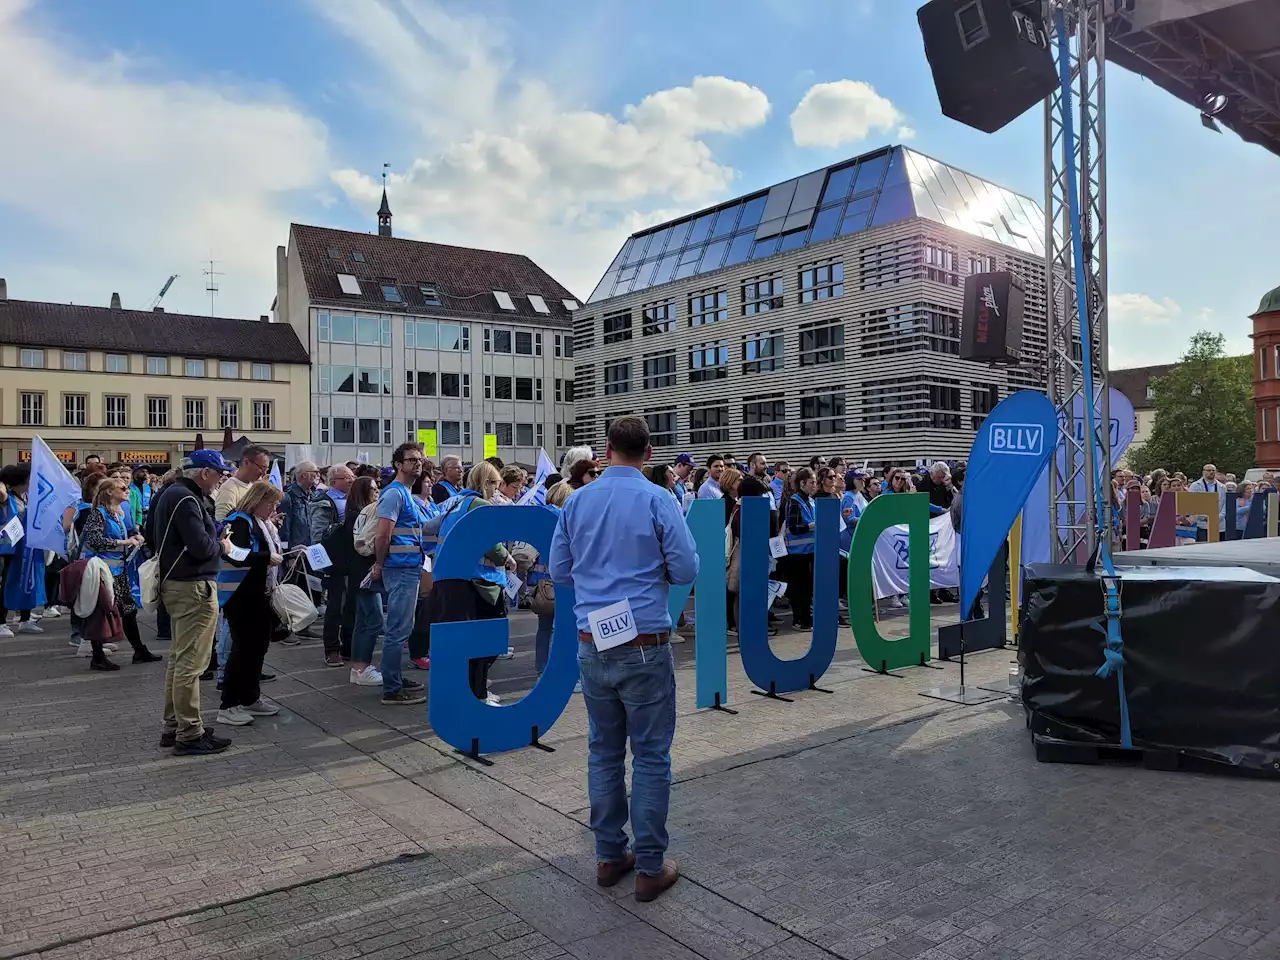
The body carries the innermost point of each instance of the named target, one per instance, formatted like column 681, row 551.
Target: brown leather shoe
column 651, row 887
column 609, row 872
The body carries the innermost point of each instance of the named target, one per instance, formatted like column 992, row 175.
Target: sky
column 143, row 138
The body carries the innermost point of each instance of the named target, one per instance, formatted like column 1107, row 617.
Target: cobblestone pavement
column 868, row 822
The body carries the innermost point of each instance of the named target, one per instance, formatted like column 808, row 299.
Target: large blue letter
column 706, row 523
column 456, row 716
column 763, row 667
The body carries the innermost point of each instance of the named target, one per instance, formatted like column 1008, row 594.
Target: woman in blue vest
column 420, row 638
column 481, row 597
column 245, row 581
column 13, row 493
column 799, row 529
column 105, row 537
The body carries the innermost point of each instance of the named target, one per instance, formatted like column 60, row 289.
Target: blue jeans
column 630, row 692
column 542, row 641
column 401, row 585
column 224, row 646
column 369, row 623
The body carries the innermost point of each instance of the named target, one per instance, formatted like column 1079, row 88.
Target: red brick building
column 1266, row 379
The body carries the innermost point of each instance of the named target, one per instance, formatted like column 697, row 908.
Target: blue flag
column 274, row 479
column 1009, row 453
column 537, row 494
column 52, row 490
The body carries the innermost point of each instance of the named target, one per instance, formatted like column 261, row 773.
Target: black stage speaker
column 991, row 329
column 991, row 60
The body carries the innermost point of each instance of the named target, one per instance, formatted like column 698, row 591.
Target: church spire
column 384, row 211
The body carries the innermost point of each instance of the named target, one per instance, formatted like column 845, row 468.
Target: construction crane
column 155, row 302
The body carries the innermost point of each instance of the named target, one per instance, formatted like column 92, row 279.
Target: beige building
column 138, row 386
column 1135, row 384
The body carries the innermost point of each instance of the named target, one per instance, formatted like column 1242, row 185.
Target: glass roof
column 884, row 186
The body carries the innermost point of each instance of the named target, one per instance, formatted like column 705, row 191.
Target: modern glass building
column 820, row 315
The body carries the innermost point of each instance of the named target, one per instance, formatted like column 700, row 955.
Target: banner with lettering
column 889, row 567
column 1009, row 453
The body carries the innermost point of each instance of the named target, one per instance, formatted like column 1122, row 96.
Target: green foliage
column 1203, row 413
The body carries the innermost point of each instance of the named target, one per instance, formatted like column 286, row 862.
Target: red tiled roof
column 464, row 277
column 77, row 327
column 1134, row 381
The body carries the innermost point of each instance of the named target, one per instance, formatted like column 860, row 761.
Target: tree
column 1203, row 412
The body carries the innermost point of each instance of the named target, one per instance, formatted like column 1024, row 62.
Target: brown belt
column 641, row 640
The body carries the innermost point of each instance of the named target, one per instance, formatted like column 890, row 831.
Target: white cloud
column 136, row 179
column 845, row 111
column 1143, row 330
column 501, row 161
column 1125, row 309
column 906, row 133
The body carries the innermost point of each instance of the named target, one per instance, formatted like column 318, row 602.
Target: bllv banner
column 473, row 726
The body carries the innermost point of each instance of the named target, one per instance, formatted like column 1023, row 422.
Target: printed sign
column 1019, row 439
column 776, row 589
column 64, row 456
column 362, row 456
column 428, row 440
column 144, row 456
column 318, row 557
column 238, row 553
column 512, row 589
column 12, row 530
column 612, row 626
column 490, row 445
column 778, row 546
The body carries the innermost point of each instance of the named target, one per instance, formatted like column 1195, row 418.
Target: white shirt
column 710, row 490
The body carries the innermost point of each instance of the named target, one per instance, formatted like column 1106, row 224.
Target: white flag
column 51, row 491
column 275, row 475
column 889, row 562
column 537, row 494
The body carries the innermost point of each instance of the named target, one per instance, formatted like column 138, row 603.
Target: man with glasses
column 300, row 499
column 683, row 467
column 781, row 470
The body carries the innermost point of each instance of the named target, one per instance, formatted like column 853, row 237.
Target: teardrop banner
column 1008, row 455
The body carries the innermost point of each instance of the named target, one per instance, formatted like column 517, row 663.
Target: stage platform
column 1262, row 555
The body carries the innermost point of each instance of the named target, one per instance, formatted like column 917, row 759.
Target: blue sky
column 145, row 136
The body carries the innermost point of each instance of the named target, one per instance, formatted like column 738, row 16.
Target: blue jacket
column 299, row 508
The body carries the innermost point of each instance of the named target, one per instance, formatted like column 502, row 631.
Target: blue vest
column 453, row 491
column 229, row 575
column 458, row 507
column 539, row 570
column 8, row 510
column 801, row 543
column 112, row 529
column 430, row 541
column 406, row 545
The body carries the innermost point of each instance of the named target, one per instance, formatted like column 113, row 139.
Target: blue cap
column 209, row 460
column 686, row 459
column 854, row 475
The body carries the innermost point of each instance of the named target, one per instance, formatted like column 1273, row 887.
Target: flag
column 537, row 494
column 889, row 567
column 51, row 491
column 275, row 475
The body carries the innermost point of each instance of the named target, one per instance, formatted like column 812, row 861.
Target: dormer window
column 430, row 295
column 504, row 300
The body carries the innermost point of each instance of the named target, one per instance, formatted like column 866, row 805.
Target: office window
column 117, row 408
column 430, row 295
column 762, row 352
column 981, row 263
column 659, row 370
column 260, row 371
column 710, row 306
column 502, row 388
column 896, row 403
column 537, row 388
column 761, row 295
column 617, row 327
column 524, row 388
column 821, row 343
column 501, row 341
column 662, row 427
column 194, row 368
column 229, row 414
column 944, row 403
column 341, row 327
column 617, row 377
column 386, row 432
column 228, row 369
column 941, row 326
column 568, row 347
column 555, row 454
column 524, row 434
column 32, row 408
column 75, row 410
column 708, row 361
column 455, row 385
column 31, row 358
column 564, row 391
column 659, row 318
column 158, row 366
column 708, row 424
column 454, row 337
column 558, row 347
column 194, row 414
column 75, row 360
column 450, row 433
column 413, row 426
column 503, row 432
column 325, row 430
column 262, row 415
column 368, row 430
column 585, row 380
column 821, row 413
column 344, row 430
column 375, row 380
column 982, row 400
column 940, row 264
column 337, row 379
column 117, row 363
column 537, row 344
column 419, row 383
column 764, row 417
column 524, row 343
column 538, row 435
column 559, row 390
column 821, row 281
column 420, row 334
column 390, row 293
column 157, row 413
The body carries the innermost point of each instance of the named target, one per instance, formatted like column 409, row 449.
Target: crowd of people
column 1151, row 487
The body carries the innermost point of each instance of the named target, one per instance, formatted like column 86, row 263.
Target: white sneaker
column 510, row 654
column 51, row 613
column 28, row 627
column 577, row 687
column 493, row 700
column 262, row 708
column 895, row 602
column 235, row 716
column 368, row 677
column 85, row 648
column 5, row 632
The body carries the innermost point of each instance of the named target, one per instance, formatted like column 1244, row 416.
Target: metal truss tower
column 1074, row 513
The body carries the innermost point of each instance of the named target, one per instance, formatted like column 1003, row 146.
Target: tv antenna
column 211, row 285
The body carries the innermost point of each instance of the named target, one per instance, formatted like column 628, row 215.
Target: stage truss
column 1074, row 514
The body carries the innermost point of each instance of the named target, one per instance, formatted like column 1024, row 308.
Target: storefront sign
column 65, row 456
column 145, row 456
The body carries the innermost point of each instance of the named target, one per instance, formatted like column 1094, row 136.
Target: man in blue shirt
column 710, row 489
column 684, row 467
column 620, row 543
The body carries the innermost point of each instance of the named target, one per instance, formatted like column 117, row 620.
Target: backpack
column 149, row 577
column 366, row 530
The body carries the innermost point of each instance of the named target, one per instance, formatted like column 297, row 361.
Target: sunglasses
column 593, row 473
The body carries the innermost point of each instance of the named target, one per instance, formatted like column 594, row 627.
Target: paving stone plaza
column 869, row 822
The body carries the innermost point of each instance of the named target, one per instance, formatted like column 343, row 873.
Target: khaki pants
column 193, row 609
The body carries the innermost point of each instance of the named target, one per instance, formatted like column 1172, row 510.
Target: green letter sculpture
column 885, row 511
